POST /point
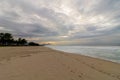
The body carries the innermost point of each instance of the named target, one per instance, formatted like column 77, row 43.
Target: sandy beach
column 41, row 63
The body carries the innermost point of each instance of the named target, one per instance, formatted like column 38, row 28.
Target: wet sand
column 41, row 63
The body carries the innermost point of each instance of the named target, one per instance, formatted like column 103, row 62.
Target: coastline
column 109, row 53
column 42, row 63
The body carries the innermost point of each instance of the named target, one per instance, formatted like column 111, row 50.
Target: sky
column 62, row 22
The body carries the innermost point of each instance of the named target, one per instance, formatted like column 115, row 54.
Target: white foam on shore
column 111, row 53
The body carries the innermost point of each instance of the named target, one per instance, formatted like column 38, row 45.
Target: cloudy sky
column 62, row 22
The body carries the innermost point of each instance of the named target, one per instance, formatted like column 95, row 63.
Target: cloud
column 61, row 20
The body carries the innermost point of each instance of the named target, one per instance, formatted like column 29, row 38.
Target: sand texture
column 40, row 63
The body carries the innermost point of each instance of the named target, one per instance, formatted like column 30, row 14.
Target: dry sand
column 40, row 63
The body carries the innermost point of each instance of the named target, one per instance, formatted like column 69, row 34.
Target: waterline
column 111, row 53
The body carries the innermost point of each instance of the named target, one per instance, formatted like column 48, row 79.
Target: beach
column 42, row 63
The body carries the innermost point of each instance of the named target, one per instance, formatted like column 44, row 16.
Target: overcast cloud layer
column 73, row 22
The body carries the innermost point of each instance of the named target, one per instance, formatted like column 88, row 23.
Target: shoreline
column 88, row 55
column 43, row 63
column 91, row 57
column 56, row 51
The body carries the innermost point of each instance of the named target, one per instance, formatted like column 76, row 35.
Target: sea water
column 111, row 53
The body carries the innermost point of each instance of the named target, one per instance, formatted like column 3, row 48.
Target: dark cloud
column 62, row 20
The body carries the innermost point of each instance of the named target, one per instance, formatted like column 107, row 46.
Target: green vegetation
column 33, row 44
column 6, row 39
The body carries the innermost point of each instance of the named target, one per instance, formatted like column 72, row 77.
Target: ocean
column 110, row 53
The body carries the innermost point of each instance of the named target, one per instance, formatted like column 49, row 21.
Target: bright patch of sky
column 68, row 22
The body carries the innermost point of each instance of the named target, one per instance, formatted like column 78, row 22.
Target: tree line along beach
column 7, row 39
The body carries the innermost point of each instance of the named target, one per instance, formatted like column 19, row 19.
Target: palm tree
column 21, row 42
column 1, row 38
column 5, row 38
